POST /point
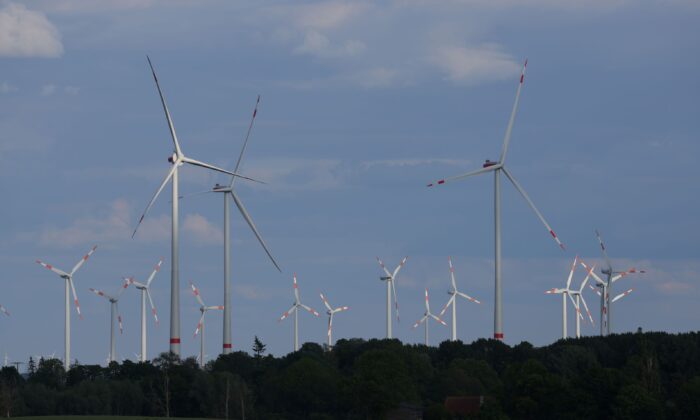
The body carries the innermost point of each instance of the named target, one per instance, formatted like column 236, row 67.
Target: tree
column 258, row 348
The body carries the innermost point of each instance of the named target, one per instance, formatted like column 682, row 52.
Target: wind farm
column 349, row 136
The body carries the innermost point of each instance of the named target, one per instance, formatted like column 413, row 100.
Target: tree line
column 625, row 376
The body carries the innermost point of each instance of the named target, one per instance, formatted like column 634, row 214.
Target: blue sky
column 362, row 105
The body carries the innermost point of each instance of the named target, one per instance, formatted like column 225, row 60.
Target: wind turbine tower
column 295, row 309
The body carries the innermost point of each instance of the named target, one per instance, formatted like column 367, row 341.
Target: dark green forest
column 622, row 376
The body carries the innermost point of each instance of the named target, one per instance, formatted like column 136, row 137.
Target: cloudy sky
column 363, row 104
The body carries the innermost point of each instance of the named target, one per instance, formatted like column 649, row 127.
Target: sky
column 362, row 105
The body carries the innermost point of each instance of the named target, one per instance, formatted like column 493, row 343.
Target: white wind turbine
column 295, row 306
column 427, row 315
column 114, row 315
column 146, row 294
column 616, row 298
column 330, row 312
column 453, row 300
column 580, row 299
column 611, row 276
column 390, row 278
column 229, row 192
column 200, row 325
column 70, row 287
column 177, row 159
column 497, row 168
column 568, row 291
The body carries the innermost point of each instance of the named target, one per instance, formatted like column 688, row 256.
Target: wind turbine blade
column 532, row 206
column 466, row 296
column 311, row 310
column 119, row 318
column 155, row 196
column 420, row 321
column 597, row 292
column 194, row 194
column 381, row 263
column 296, row 290
column 624, row 273
column 52, row 268
column 153, row 307
column 447, row 305
column 165, row 108
column 199, row 324
column 592, row 273
column 121, row 289
column 250, row 222
column 156, row 269
column 245, row 142
column 341, row 309
column 427, row 303
column 554, row 291
column 585, row 280
column 452, row 274
column 215, row 308
column 573, row 302
column 468, row 174
column 196, row 294
column 325, row 302
column 587, row 311
column 621, row 295
column 217, row 169
column 602, row 250
column 511, row 120
column 288, row 312
column 396, row 271
column 82, row 260
column 571, row 273
column 75, row 297
column 438, row 319
column 100, row 293
column 4, row 310
column 396, row 301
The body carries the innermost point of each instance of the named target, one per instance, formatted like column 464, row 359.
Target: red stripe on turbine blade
column 174, row 341
column 522, row 77
column 430, row 185
column 228, row 346
column 442, row 181
column 498, row 336
column 554, row 235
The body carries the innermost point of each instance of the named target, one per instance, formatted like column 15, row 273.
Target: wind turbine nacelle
column 384, row 278
column 172, row 158
column 489, row 163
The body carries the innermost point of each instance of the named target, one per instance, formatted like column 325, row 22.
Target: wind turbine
column 580, row 299
column 453, row 300
column 497, row 168
column 297, row 303
column 611, row 277
column 70, row 287
column 200, row 325
column 616, row 298
column 391, row 287
column 427, row 315
column 330, row 312
column 229, row 192
column 564, row 293
column 177, row 159
column 114, row 313
column 146, row 293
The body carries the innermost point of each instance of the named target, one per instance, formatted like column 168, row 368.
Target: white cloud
column 7, row 88
column 27, row 33
column 315, row 43
column 71, row 90
column 329, row 14
column 464, row 65
column 48, row 90
column 202, row 230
